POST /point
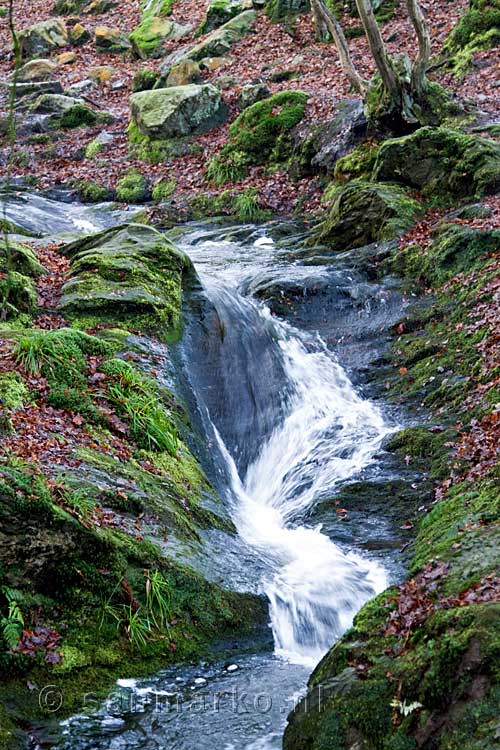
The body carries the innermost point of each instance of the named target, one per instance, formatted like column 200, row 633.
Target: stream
column 287, row 426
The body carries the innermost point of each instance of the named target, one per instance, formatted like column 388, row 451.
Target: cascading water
column 328, row 434
column 290, row 428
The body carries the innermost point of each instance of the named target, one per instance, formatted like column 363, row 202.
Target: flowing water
column 287, row 428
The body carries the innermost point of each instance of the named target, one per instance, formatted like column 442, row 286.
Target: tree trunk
column 419, row 78
column 377, row 47
column 322, row 15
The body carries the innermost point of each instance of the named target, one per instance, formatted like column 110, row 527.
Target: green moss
column 163, row 190
column 243, row 206
column 144, row 80
column 358, row 164
column 364, row 212
column 20, row 258
column 92, row 192
column 154, row 151
column 261, row 130
column 13, row 391
column 93, row 148
column 440, row 162
column 132, row 187
column 78, row 116
column 455, row 248
column 482, row 16
column 17, row 294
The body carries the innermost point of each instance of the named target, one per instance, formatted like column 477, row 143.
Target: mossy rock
column 144, row 80
column 17, row 294
column 148, row 37
column 133, row 188
column 448, row 675
column 455, row 248
column 260, row 134
column 42, row 38
column 220, row 12
column 483, row 16
column 442, row 163
column 92, row 192
column 365, row 212
column 220, row 41
column 67, row 574
column 125, row 272
column 177, row 111
column 20, row 258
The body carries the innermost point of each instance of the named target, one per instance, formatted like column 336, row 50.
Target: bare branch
column 424, row 44
column 377, row 45
column 321, row 14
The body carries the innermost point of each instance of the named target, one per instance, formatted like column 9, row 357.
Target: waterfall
column 326, row 435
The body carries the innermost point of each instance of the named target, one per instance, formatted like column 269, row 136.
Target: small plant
column 226, row 167
column 77, row 502
column 141, row 622
column 12, row 625
column 58, row 351
column 158, row 598
column 144, row 80
column 137, row 399
column 246, row 206
column 404, row 708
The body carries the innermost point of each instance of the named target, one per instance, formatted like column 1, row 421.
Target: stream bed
column 277, row 399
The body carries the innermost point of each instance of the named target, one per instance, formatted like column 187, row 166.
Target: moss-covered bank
column 97, row 530
column 420, row 668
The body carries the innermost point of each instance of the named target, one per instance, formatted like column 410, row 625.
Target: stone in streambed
column 177, row 111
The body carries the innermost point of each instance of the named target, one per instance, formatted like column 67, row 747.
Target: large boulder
column 441, row 162
column 330, row 141
column 126, row 271
column 220, row 12
column 177, row 111
column 220, row 41
column 365, row 212
column 43, row 38
column 260, row 134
